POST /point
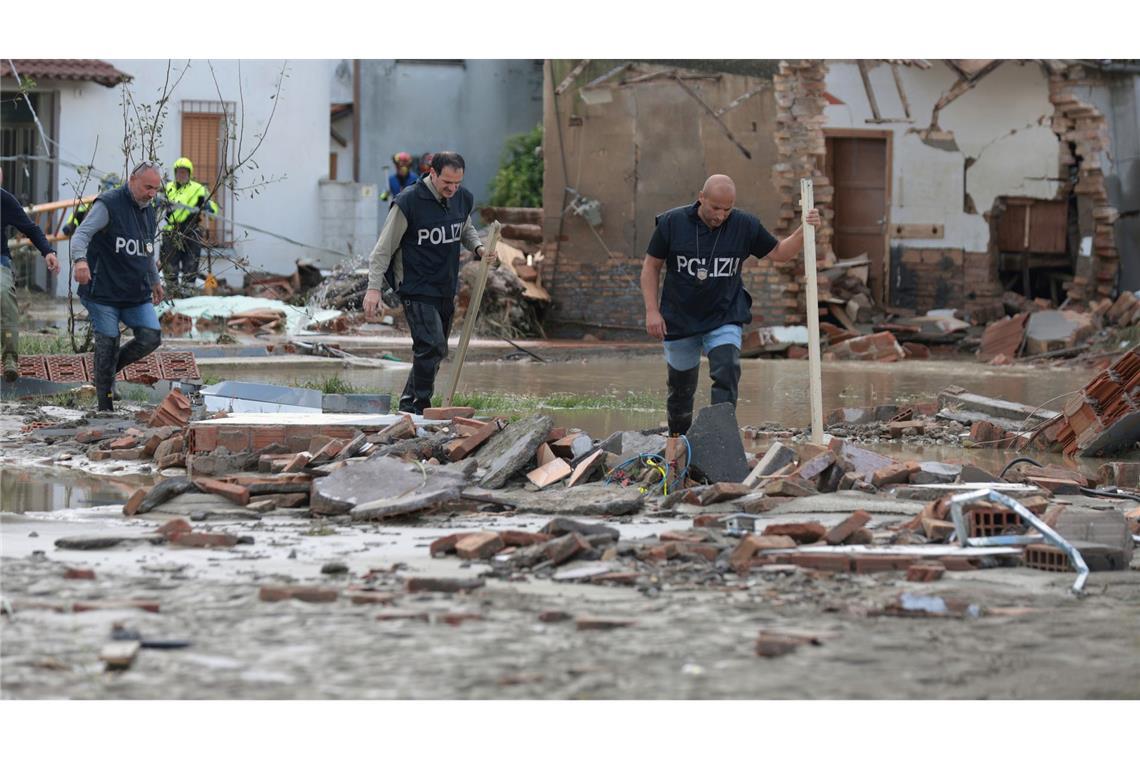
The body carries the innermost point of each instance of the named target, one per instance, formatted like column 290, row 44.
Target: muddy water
column 770, row 390
column 43, row 489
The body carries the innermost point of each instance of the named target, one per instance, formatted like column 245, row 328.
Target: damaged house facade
column 954, row 181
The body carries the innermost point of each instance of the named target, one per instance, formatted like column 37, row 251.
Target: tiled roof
column 75, row 69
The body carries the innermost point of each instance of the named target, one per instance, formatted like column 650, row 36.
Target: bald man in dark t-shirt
column 703, row 304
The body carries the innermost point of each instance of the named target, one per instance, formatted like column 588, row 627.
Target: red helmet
column 403, row 158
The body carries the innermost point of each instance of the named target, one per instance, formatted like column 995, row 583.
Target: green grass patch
column 38, row 343
column 522, row 403
column 331, row 384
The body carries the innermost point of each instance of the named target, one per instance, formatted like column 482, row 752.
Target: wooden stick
column 472, row 311
column 815, row 380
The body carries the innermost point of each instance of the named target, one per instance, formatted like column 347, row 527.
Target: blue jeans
column 105, row 319
column 685, row 353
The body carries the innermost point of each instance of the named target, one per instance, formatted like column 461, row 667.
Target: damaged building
column 954, row 180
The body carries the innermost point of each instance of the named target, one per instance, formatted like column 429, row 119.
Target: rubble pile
column 1028, row 329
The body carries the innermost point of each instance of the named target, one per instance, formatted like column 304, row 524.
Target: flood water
column 41, row 489
column 771, row 391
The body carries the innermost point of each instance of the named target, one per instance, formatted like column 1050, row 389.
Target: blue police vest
column 430, row 246
column 119, row 254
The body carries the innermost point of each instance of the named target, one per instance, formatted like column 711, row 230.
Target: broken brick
column 724, row 491
column 554, row 616
column 447, row 412
column 482, row 545
column 172, row 529
column 238, row 494
column 843, row 530
column 801, row 533
column 564, row 548
column 550, row 473
column 891, row 474
column 204, row 540
column 741, row 557
column 446, row 544
column 311, row 594
column 79, row 574
column 371, row 597
column 523, row 538
column 174, row 411
column 925, row 572
column 882, row 563
column 98, row 605
column 443, row 585
column 132, row 505
column 458, row 618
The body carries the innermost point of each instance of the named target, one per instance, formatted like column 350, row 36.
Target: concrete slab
column 846, row 502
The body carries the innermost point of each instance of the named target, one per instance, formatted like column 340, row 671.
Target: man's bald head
column 717, row 198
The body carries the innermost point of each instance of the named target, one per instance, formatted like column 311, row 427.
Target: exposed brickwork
column 945, row 278
column 1083, row 125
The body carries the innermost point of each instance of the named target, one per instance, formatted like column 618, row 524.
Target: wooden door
column 858, row 168
column 202, row 135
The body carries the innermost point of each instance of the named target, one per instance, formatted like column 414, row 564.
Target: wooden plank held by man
column 472, row 312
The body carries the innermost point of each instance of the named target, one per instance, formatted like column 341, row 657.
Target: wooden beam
column 869, row 90
column 569, row 80
column 815, row 380
column 472, row 312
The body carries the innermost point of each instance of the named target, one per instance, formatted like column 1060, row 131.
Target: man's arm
column 650, row 277
column 394, row 228
column 15, row 215
column 793, row 245
column 470, row 238
column 97, row 218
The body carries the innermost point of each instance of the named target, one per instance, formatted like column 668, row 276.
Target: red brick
column 893, row 473
column 843, row 530
column 443, row 585
column 262, row 436
column 741, row 557
column 174, row 528
column 238, row 494
column 313, row 594
column 801, row 533
column 204, row 540
column 925, row 572
column 882, row 563
column 458, row 618
column 132, row 505
column 174, row 410
column 79, row 574
column 146, row 605
column 447, row 412
column 233, row 438
column 371, row 597
column 466, row 446
column 403, row 615
column 523, row 538
column 708, row 521
column 446, row 544
column 565, row 547
column 554, row 616
column 129, row 455
column 126, row 442
column 837, row 563
column 479, row 545
column 203, row 438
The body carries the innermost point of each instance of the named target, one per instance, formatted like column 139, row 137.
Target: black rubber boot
column 106, row 354
column 682, row 385
column 146, row 340
column 724, row 369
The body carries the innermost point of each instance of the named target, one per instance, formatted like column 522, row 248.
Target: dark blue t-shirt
column 692, row 304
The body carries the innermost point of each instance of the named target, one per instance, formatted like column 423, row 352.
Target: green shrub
column 519, row 179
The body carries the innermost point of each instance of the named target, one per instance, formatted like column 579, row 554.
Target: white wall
column 1003, row 123
column 294, row 149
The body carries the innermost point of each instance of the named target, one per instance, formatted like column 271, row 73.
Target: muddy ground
column 1033, row 639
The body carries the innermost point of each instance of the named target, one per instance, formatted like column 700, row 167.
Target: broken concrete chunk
column 935, row 472
column 560, row 526
column 630, row 443
column 162, row 493
column 586, row 499
column 417, row 501
column 602, row 624
column 509, row 450
column 120, row 655
column 382, row 482
column 718, row 451
column 586, row 468
column 107, row 540
column 559, row 550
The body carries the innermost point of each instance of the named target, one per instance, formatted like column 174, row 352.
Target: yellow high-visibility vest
column 190, row 194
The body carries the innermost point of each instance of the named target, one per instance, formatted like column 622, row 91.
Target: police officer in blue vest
column 118, row 279
column 418, row 255
column 704, row 305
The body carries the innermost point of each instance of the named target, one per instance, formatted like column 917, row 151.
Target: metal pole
column 815, row 381
column 472, row 312
column 357, row 138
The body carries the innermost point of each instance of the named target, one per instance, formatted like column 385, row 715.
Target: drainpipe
column 355, row 119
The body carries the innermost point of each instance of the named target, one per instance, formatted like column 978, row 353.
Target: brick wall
column 944, row 278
